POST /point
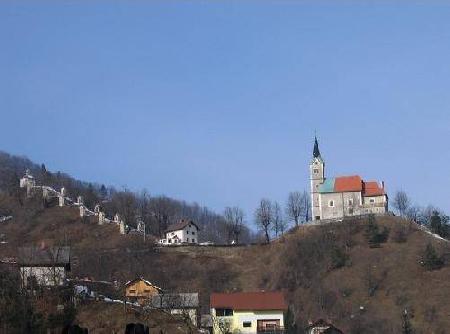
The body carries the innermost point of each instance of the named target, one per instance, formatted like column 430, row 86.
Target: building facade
column 183, row 232
column 141, row 290
column 344, row 196
column 248, row 312
column 43, row 267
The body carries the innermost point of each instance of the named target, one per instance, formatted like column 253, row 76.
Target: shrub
column 338, row 258
column 373, row 234
column 399, row 234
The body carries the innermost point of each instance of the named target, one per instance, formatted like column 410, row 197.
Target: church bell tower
column 317, row 177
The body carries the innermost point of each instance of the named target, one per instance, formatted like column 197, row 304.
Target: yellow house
column 248, row 312
column 140, row 290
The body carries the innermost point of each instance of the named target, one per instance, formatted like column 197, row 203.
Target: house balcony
column 270, row 330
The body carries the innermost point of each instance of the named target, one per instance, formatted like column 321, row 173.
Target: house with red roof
column 248, row 312
column 343, row 196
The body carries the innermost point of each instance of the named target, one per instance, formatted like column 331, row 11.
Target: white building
column 44, row 267
column 248, row 312
column 339, row 197
column 183, row 232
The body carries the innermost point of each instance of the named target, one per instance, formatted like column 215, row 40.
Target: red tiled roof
column 348, row 183
column 372, row 188
column 249, row 301
column 180, row 225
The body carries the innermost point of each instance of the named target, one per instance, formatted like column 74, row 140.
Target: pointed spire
column 316, row 152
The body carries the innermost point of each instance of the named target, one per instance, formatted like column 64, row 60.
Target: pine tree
column 406, row 324
column 436, row 223
column 430, row 259
column 290, row 325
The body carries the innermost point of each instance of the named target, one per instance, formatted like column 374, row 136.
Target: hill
column 327, row 271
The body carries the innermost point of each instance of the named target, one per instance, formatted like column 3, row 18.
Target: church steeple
column 316, row 152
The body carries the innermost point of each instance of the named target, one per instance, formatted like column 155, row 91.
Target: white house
column 183, row 232
column 44, row 267
column 248, row 312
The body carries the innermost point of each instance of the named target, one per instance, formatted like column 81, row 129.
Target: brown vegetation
column 331, row 271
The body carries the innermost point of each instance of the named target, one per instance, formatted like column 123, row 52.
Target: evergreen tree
column 289, row 322
column 103, row 192
column 436, row 223
column 406, row 324
column 430, row 259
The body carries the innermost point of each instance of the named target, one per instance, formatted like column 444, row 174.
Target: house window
column 132, row 291
column 187, row 232
column 224, row 312
column 247, row 324
column 316, row 171
column 170, row 241
column 193, row 240
column 350, row 201
column 146, row 291
column 331, row 204
column 350, row 211
column 193, row 233
column 372, row 200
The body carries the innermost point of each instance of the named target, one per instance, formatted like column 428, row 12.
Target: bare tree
column 401, row 202
column 294, row 207
column 264, row 217
column 163, row 209
column 412, row 213
column 277, row 219
column 297, row 207
column 306, row 199
column 234, row 220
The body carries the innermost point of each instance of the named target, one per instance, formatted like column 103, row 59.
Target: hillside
column 328, row 271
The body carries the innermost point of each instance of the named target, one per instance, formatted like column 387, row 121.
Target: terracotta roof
column 180, row 225
column 372, row 188
column 348, row 183
column 249, row 301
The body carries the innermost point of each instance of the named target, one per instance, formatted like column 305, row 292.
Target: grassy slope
column 101, row 253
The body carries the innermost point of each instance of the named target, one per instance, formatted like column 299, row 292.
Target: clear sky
column 217, row 102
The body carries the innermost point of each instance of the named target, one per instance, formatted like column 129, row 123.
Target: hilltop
column 327, row 271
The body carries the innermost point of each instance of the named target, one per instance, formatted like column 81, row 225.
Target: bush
column 338, row 258
column 373, row 234
column 400, row 234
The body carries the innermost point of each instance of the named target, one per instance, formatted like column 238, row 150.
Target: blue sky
column 217, row 102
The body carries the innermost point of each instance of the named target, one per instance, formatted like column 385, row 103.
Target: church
column 343, row 196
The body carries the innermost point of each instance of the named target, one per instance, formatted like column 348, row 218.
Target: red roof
column 348, row 183
column 372, row 188
column 249, row 301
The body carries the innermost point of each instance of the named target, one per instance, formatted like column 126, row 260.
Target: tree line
column 156, row 211
column 430, row 216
